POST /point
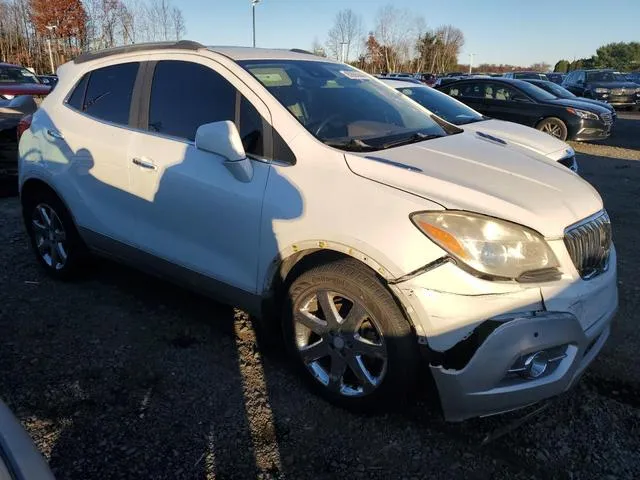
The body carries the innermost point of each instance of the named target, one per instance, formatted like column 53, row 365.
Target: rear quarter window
column 108, row 93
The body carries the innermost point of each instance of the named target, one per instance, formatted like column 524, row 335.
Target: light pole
column 471, row 55
column 253, row 10
column 51, row 28
column 342, row 51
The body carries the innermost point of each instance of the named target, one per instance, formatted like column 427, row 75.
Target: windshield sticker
column 272, row 77
column 355, row 75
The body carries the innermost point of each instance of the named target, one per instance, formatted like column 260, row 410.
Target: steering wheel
column 325, row 123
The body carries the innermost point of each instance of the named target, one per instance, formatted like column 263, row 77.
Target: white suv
column 304, row 190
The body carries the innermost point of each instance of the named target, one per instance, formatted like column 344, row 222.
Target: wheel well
column 34, row 185
column 295, row 265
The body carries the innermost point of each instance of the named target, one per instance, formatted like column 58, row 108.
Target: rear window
column 109, row 92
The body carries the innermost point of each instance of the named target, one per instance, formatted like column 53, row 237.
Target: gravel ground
column 125, row 376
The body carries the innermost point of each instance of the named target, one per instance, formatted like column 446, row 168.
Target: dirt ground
column 124, row 376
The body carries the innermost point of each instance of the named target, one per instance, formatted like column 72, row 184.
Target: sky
column 497, row 31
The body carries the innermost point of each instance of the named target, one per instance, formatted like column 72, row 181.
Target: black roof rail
column 299, row 50
column 137, row 47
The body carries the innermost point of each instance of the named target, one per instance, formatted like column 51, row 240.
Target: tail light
column 24, row 125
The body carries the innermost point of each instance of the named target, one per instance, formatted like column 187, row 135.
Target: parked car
column 11, row 112
column 520, row 102
column 50, row 80
column 603, row 85
column 459, row 114
column 305, row 191
column 19, row 457
column 634, row 77
column 444, row 80
column 561, row 92
column 426, row 78
column 554, row 77
column 525, row 75
column 400, row 75
column 16, row 80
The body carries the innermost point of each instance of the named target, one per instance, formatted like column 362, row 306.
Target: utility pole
column 471, row 55
column 51, row 29
column 253, row 11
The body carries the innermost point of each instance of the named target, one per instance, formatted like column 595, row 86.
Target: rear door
column 91, row 131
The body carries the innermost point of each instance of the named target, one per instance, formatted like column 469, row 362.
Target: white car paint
column 190, row 210
column 515, row 134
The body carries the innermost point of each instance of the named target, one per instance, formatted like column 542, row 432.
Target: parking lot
column 125, row 376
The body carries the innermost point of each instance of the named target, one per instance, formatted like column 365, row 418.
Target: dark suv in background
column 603, row 85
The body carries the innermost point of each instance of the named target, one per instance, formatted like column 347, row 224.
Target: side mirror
column 222, row 138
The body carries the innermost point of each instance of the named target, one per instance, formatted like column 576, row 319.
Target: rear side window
column 186, row 95
column 109, row 92
column 76, row 100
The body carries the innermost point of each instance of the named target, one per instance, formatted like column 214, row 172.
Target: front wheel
column 554, row 127
column 349, row 338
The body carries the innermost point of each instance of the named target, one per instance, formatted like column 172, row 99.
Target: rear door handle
column 55, row 134
column 144, row 163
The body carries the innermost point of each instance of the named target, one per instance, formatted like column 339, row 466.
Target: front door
column 194, row 212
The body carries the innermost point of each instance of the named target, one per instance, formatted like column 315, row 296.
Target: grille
column 622, row 91
column 589, row 245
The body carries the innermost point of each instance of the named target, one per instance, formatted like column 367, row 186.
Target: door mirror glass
column 221, row 138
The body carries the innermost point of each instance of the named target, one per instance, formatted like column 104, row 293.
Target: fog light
column 535, row 365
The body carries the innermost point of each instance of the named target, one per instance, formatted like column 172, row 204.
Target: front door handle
column 144, row 163
column 55, row 134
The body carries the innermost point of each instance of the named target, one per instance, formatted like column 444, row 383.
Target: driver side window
column 499, row 91
column 185, row 95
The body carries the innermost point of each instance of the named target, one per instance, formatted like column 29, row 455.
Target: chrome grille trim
column 589, row 244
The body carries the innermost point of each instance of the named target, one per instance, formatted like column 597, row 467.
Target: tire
column 555, row 125
column 55, row 242
column 373, row 349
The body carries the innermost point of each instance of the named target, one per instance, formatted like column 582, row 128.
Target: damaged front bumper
column 478, row 335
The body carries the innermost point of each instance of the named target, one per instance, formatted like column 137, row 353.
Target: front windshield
column 442, row 105
column 342, row 106
column 536, row 92
column 557, row 90
column 601, row 77
column 16, row 75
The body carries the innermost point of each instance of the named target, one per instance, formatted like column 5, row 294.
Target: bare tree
column 179, row 28
column 345, row 37
column 397, row 31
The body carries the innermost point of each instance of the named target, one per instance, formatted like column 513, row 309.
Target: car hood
column 612, row 85
column 24, row 89
column 577, row 103
column 598, row 103
column 470, row 172
column 517, row 134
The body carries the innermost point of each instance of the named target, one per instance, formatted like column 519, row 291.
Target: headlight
column 583, row 114
column 491, row 247
column 601, row 90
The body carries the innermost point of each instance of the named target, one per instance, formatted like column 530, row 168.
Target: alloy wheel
column 552, row 129
column 50, row 236
column 340, row 343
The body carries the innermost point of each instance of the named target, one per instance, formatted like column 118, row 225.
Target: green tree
column 620, row 55
column 562, row 66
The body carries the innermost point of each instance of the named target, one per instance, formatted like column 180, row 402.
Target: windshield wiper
column 414, row 138
column 472, row 120
column 352, row 145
